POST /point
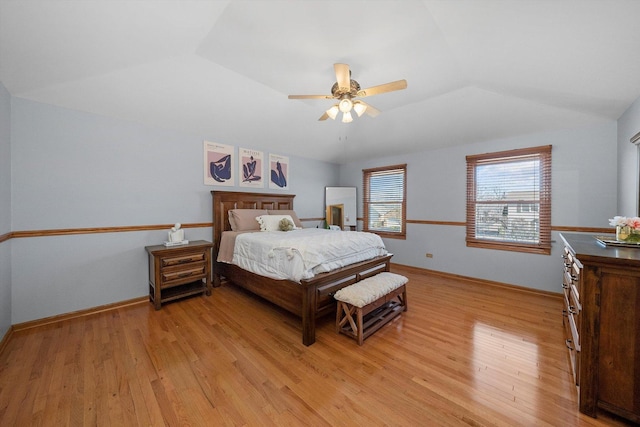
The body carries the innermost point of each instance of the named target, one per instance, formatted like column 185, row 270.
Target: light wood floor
column 464, row 354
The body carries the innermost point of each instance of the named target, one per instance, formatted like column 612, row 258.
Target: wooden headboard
column 223, row 201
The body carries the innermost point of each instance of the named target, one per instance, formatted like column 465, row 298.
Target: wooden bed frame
column 310, row 299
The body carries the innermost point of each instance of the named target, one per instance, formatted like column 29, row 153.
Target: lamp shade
column 333, row 112
column 345, row 105
column 359, row 108
column 346, row 117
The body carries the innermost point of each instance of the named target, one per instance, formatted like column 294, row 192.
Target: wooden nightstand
column 179, row 271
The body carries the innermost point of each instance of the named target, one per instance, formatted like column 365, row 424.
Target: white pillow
column 296, row 220
column 272, row 222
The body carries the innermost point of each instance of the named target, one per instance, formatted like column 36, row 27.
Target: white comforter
column 301, row 254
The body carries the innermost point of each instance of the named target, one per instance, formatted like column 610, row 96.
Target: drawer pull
column 181, row 275
column 568, row 344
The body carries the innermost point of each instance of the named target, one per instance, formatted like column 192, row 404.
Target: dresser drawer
column 572, row 271
column 572, row 338
column 572, row 314
column 574, row 275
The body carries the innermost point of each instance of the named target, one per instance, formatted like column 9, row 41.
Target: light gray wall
column 584, row 189
column 628, row 173
column 5, row 210
column 73, row 169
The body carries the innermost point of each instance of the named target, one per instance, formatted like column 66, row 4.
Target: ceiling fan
column 346, row 90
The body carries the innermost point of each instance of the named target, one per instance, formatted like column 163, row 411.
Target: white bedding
column 301, row 254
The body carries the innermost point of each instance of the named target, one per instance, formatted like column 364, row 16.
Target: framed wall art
column 278, row 172
column 218, row 164
column 251, row 168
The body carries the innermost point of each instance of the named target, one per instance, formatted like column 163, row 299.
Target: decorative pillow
column 291, row 213
column 245, row 219
column 286, row 225
column 272, row 222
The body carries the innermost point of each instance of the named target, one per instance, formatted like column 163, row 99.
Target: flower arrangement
column 627, row 228
column 624, row 221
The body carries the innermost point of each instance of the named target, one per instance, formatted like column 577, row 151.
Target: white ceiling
column 476, row 69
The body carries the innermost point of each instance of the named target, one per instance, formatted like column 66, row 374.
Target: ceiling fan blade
column 387, row 87
column 310, row 96
column 343, row 76
column 371, row 111
column 325, row 116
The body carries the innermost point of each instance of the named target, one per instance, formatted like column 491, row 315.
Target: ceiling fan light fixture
column 333, row 112
column 359, row 108
column 345, row 90
column 345, row 105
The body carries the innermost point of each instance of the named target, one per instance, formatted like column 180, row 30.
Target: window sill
column 511, row 247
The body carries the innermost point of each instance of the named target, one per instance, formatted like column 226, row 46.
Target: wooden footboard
column 309, row 299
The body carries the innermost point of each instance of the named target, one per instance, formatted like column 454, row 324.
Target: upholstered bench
column 368, row 305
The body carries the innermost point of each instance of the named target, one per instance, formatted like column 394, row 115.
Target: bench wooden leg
column 360, row 331
column 344, row 314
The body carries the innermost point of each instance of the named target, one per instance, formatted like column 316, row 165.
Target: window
column 385, row 194
column 509, row 200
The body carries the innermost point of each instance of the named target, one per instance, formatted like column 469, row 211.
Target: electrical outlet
column 429, row 255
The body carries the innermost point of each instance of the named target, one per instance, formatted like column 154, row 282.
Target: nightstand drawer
column 183, row 259
column 177, row 275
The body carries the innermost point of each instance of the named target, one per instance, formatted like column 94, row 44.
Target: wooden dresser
column 601, row 317
column 179, row 271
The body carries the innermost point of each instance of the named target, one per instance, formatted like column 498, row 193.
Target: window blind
column 384, row 197
column 509, row 200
